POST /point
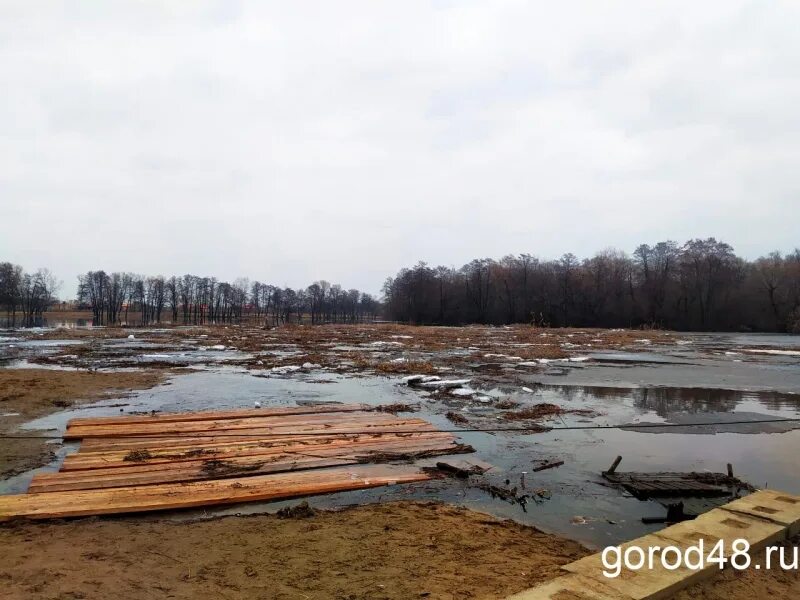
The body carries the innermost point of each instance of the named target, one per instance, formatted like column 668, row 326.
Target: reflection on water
column 55, row 322
column 664, row 401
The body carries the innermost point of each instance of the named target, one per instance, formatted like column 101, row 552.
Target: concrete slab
column 570, row 587
column 762, row 518
column 716, row 525
column 644, row 583
column 778, row 507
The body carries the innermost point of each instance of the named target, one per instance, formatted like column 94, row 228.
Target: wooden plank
column 188, row 444
column 118, row 429
column 121, row 436
column 204, row 427
column 79, row 462
column 238, row 466
column 204, row 493
column 219, row 414
column 156, row 442
column 241, row 467
column 163, row 461
column 89, row 460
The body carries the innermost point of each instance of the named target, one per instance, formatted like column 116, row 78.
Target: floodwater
column 706, row 380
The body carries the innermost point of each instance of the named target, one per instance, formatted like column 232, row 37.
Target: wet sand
column 29, row 393
column 387, row 551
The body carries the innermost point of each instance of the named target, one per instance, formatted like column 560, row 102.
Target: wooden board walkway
column 169, row 461
column 204, row 493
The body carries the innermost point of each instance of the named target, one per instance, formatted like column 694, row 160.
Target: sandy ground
column 387, row 551
column 750, row 583
column 29, row 393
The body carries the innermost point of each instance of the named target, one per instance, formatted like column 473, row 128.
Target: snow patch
column 772, row 351
column 445, row 383
column 464, row 391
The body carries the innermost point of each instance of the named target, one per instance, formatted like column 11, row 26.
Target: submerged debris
column 544, row 409
column 381, row 457
column 397, row 408
column 537, row 411
column 507, row 494
column 547, row 464
column 457, row 418
column 405, row 366
column 506, row 404
column 300, row 511
column 459, row 471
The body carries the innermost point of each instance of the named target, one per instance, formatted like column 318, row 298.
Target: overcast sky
column 293, row 141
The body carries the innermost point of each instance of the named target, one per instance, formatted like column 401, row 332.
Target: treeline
column 701, row 285
column 25, row 296
column 129, row 298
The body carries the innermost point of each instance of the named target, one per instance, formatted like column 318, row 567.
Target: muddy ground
column 29, row 393
column 412, row 550
column 387, row 551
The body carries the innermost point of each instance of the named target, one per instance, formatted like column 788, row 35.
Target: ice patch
column 464, row 391
column 772, row 351
column 445, row 383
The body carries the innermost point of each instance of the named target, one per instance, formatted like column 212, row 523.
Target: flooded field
column 700, row 401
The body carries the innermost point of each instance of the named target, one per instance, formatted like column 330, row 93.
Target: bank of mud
column 381, row 551
column 26, row 394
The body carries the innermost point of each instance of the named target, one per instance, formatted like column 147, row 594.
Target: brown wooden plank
column 239, row 466
column 204, row 493
column 185, row 444
column 225, row 443
column 40, row 484
column 227, row 425
column 121, row 436
column 164, row 461
column 219, row 414
column 116, row 459
column 123, row 429
column 165, row 455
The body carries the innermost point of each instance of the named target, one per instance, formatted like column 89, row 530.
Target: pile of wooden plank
column 169, row 461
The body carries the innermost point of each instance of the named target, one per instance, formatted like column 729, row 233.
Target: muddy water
column 760, row 455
